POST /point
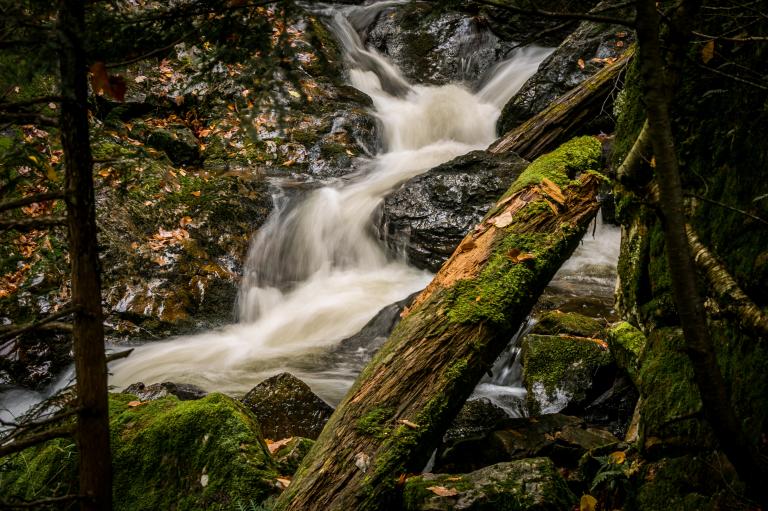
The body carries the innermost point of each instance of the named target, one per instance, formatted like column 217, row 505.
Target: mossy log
column 562, row 119
column 404, row 400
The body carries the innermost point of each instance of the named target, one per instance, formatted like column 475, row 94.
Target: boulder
column 579, row 56
column 475, row 419
column 530, row 484
column 627, row 344
column 564, row 372
column 560, row 437
column 285, row 406
column 430, row 214
column 167, row 454
column 568, row 323
column 614, row 408
column 177, row 141
column 183, row 391
column 433, row 45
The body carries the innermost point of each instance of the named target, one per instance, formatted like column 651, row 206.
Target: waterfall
column 315, row 272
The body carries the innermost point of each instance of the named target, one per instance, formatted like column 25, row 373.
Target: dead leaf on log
column 283, row 482
column 580, row 63
column 442, row 491
column 274, row 446
column 517, row 256
column 406, row 422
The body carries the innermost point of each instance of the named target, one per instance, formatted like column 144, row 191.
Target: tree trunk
column 565, row 116
column 709, row 379
column 404, row 400
column 88, row 335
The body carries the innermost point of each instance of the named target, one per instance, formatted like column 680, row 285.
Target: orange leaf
column 442, row 491
column 708, row 51
column 580, row 63
column 618, row 457
column 134, row 404
column 408, row 423
column 275, row 446
column 196, row 194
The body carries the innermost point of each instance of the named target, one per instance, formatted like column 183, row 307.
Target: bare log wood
column 560, row 121
column 404, row 400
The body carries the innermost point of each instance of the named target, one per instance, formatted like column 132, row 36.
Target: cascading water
column 315, row 273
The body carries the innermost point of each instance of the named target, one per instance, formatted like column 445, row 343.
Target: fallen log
column 561, row 120
column 402, row 403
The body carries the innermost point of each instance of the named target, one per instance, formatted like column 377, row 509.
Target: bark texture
column 564, row 117
column 88, row 335
column 404, row 400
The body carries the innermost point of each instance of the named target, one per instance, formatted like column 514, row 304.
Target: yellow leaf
column 442, row 491
column 587, row 503
column 196, row 193
column 618, row 457
column 134, row 404
column 708, row 51
column 294, row 93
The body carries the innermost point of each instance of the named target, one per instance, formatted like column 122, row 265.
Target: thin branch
column 149, row 54
column 31, row 199
column 29, row 118
column 630, row 23
column 34, row 325
column 38, row 503
column 30, row 102
column 32, row 223
column 732, row 39
column 35, row 439
column 726, row 206
column 42, row 422
column 733, row 77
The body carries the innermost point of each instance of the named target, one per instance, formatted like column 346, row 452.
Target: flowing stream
column 315, row 272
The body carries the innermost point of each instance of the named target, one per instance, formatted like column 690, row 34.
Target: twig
column 560, row 15
column 32, row 223
column 732, row 39
column 42, row 422
column 726, row 206
column 29, row 118
column 30, row 102
column 38, row 503
column 37, row 324
column 35, row 439
column 733, row 77
column 31, row 199
column 148, row 54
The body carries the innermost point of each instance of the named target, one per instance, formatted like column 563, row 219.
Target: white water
column 315, row 273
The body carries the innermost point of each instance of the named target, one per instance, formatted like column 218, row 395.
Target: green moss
column 627, row 344
column 561, row 165
column 570, row 323
column 376, row 423
column 167, row 454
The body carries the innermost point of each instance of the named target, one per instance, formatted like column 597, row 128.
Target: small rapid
column 315, row 272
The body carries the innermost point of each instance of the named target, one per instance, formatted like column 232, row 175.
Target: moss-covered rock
column 167, row 454
column 568, row 323
column 559, row 370
column 530, row 484
column 627, row 344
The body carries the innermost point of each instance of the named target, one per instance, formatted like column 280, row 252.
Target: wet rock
column 568, row 323
column 560, row 437
column 564, row 372
column 183, row 391
column 578, row 57
column 613, row 409
column 432, row 45
column 288, row 456
column 627, row 344
column 429, row 215
column 285, row 406
column 530, row 484
column 206, row 454
column 476, row 418
column 177, row 141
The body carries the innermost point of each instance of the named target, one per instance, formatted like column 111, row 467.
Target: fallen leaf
column 408, row 423
column 517, row 256
column 284, row 482
column 619, row 44
column 502, row 220
column 134, row 404
column 442, row 491
column 621, row 34
column 587, row 503
column 196, row 193
column 185, row 221
column 275, row 446
column 618, row 457
column 580, row 63
column 708, row 51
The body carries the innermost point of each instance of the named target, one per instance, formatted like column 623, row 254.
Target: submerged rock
column 183, row 391
column 590, row 47
column 206, row 454
column 560, row 437
column 285, row 406
column 429, row 215
column 530, row 484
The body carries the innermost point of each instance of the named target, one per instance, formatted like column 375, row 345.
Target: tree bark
column 88, row 336
column 565, row 116
column 402, row 403
column 709, row 379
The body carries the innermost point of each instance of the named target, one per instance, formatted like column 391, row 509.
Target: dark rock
column 433, row 45
column 476, row 418
column 183, row 391
column 567, row 67
column 289, row 456
column 563, row 438
column 285, row 406
column 530, row 484
column 430, row 214
column 564, row 372
column 178, row 142
column 613, row 409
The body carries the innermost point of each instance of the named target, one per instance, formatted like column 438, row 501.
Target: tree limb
column 30, row 199
column 35, row 439
column 34, row 325
column 29, row 118
column 726, row 287
column 32, row 223
column 38, row 503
